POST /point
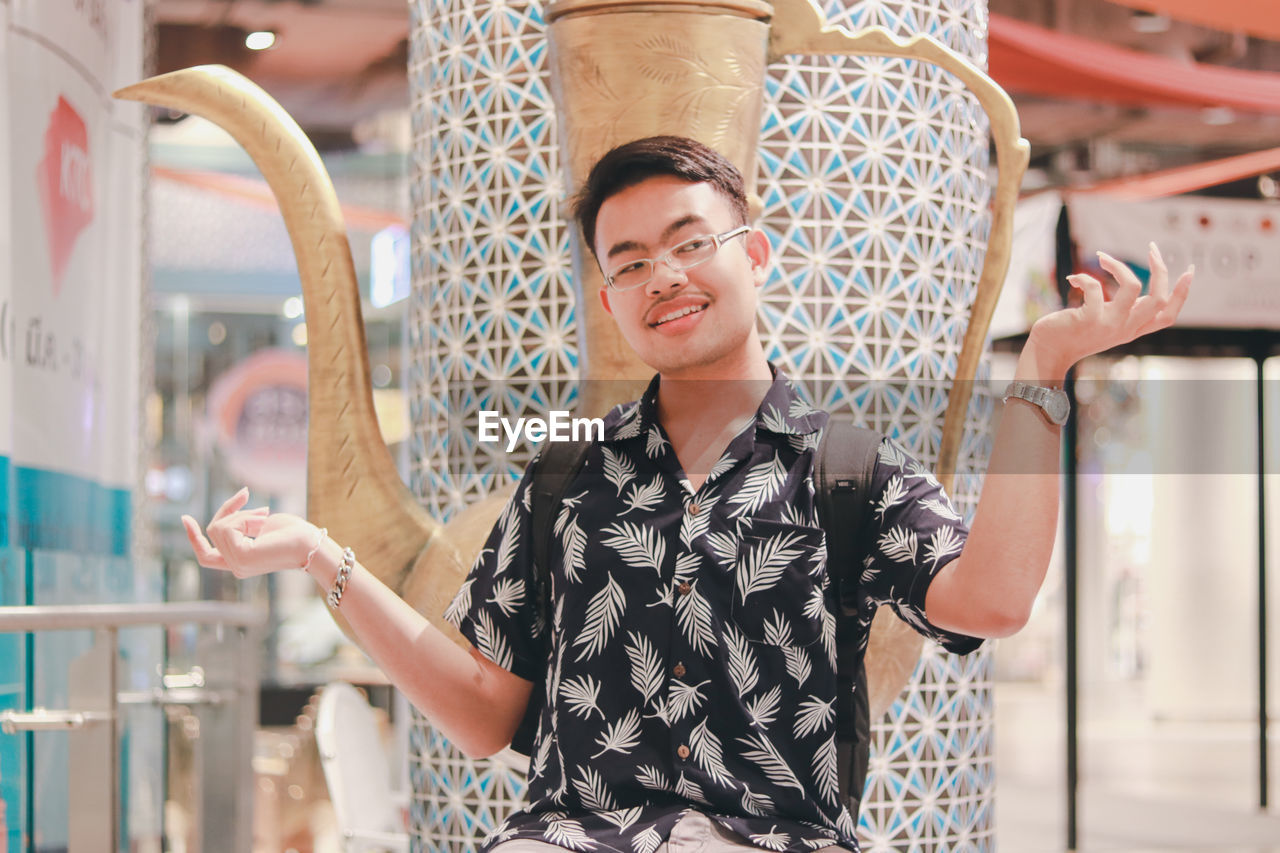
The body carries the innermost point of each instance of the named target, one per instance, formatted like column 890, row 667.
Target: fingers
column 232, row 504
column 1170, row 310
column 1130, row 288
column 1159, row 289
column 206, row 554
column 1091, row 290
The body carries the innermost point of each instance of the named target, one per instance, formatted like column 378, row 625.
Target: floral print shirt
column 692, row 632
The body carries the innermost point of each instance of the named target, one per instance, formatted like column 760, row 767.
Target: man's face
column 695, row 323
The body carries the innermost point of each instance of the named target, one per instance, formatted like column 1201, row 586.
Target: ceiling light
column 293, row 307
column 1217, row 116
column 260, row 40
column 1149, row 22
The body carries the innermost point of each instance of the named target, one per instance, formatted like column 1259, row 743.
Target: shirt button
column 683, row 751
column 685, row 588
column 678, row 670
column 695, row 508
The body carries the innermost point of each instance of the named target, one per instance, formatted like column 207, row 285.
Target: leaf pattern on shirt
column 826, row 770
column 603, row 614
column 647, row 841
column 652, row 778
column 765, row 755
column 708, row 753
column 690, row 790
column 574, row 544
column 756, row 804
column 943, row 543
column 895, row 492
column 941, row 509
column 508, row 594
column 743, row 668
column 621, row 736
column 761, row 485
column 798, row 664
column 461, row 602
column 645, row 497
column 723, row 465
column 592, row 790
column 694, row 617
column 583, row 695
column 618, row 468
column 654, row 443
column 765, row 562
column 763, row 709
column 725, row 548
column 623, row 818
column 771, row 840
column 491, row 643
column 692, row 526
column 646, row 669
column 899, row 545
column 638, row 545
column 685, row 699
column 566, row 832
column 813, row 715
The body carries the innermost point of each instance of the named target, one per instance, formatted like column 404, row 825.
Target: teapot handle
column 799, row 27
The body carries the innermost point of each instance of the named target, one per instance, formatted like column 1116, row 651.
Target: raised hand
column 248, row 542
column 1098, row 324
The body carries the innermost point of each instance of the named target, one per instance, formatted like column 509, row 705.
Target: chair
column 357, row 773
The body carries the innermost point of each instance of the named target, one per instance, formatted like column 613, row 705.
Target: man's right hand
column 249, row 542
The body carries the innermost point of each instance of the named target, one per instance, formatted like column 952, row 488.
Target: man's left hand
column 1098, row 324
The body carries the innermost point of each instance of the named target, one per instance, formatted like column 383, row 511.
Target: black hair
column 637, row 161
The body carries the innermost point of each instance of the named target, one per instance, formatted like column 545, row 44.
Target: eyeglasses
column 682, row 256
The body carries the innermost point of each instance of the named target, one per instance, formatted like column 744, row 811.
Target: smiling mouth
column 676, row 315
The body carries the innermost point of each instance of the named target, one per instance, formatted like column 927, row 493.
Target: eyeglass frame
column 665, row 257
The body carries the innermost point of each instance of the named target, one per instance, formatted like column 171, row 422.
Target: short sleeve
column 914, row 531
column 494, row 608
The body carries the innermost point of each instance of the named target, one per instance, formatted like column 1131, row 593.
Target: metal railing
column 222, row 691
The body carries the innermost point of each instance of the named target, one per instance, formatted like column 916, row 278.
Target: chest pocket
column 777, row 586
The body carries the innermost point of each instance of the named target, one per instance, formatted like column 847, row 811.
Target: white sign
column 75, row 176
column 1235, row 246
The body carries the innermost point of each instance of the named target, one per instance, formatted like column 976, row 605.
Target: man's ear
column 604, row 300
column 758, row 251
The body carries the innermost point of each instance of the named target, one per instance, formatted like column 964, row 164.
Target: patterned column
column 873, row 174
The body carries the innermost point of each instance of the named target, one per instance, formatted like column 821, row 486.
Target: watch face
column 1057, row 407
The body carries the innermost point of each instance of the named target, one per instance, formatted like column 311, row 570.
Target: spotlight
column 260, row 40
column 1149, row 22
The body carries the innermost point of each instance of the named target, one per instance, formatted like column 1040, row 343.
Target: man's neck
column 713, row 397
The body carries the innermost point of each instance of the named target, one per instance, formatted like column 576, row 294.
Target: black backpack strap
column 556, row 467
column 843, row 467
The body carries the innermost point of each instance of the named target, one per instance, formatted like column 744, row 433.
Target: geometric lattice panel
column 874, row 182
column 873, row 174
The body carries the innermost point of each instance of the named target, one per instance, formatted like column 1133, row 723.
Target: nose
column 666, row 276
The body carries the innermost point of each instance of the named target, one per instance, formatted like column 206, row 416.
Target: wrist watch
column 1053, row 402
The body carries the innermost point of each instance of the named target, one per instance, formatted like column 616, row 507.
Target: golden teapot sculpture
column 620, row 70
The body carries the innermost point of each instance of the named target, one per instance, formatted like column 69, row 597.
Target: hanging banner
column 1233, row 244
column 75, row 175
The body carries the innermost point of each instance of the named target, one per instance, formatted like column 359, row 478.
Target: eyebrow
column 633, row 246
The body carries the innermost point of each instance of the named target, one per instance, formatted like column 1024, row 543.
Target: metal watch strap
column 1052, row 402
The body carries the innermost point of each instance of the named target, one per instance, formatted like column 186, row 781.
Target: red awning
column 1185, row 179
column 1259, row 18
column 1029, row 59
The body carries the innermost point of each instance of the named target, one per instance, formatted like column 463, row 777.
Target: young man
column 690, row 693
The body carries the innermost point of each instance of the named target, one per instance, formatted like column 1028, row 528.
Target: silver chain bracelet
column 344, row 574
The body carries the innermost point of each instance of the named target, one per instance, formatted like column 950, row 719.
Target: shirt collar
column 782, row 411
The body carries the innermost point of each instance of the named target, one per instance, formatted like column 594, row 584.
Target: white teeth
column 676, row 315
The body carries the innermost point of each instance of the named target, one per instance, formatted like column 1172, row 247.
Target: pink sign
column 65, row 180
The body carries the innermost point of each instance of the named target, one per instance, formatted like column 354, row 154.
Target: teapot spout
column 353, row 487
